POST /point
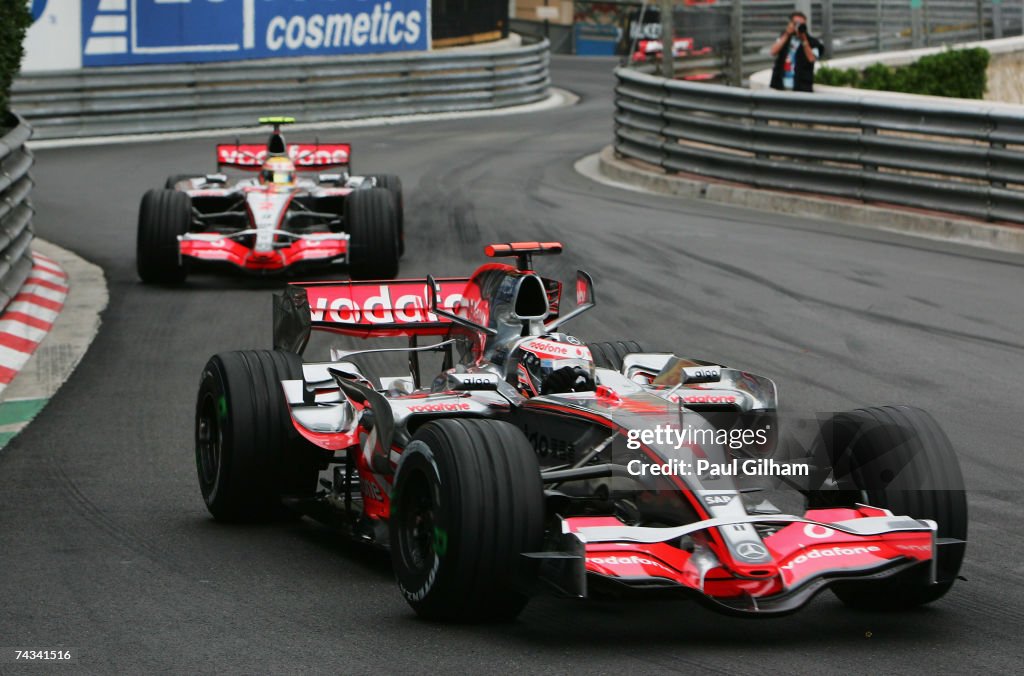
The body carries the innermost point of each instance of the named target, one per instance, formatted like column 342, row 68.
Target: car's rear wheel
column 394, row 184
column 467, row 503
column 248, row 454
column 372, row 226
column 609, row 355
column 163, row 216
column 897, row 458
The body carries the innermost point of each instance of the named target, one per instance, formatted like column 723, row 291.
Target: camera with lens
column 801, row 28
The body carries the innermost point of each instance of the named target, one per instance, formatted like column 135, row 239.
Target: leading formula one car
column 533, row 461
column 301, row 209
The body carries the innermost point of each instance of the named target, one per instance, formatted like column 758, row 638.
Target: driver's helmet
column 554, row 363
column 278, row 171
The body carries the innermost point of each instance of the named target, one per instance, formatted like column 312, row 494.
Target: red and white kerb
column 30, row 315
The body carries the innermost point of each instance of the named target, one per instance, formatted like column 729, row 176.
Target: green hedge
column 14, row 20
column 959, row 73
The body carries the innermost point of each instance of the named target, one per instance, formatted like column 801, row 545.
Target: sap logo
column 717, row 500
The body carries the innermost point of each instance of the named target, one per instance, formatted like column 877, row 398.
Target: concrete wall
column 1006, row 77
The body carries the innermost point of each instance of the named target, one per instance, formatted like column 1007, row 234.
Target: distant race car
column 650, row 50
column 300, row 209
column 534, row 461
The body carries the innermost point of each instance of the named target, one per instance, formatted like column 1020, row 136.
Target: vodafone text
column 379, row 308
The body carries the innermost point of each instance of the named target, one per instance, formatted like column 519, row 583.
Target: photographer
column 795, row 53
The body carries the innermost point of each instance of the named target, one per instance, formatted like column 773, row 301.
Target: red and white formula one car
column 301, row 209
column 650, row 50
column 532, row 460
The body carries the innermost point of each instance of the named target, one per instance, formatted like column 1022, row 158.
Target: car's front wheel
column 896, row 458
column 467, row 503
column 174, row 179
column 163, row 216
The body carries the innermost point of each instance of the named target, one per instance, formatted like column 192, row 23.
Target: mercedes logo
column 751, row 550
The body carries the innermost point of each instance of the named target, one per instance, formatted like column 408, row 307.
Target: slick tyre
column 163, row 216
column 609, row 355
column 248, row 454
column 394, row 184
column 897, row 458
column 372, row 224
column 467, row 503
column 175, row 179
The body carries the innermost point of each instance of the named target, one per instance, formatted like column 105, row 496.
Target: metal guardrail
column 847, row 27
column 146, row 99
column 959, row 159
column 15, row 209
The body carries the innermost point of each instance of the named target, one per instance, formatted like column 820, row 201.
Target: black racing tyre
column 609, row 355
column 163, row 215
column 394, row 184
column 373, row 234
column 467, row 503
column 175, row 179
column 248, row 454
column 897, row 458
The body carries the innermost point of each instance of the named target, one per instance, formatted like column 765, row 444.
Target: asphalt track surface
column 105, row 544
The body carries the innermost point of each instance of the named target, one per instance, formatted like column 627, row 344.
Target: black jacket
column 803, row 71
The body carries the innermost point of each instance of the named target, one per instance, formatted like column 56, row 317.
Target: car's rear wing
column 362, row 309
column 306, row 156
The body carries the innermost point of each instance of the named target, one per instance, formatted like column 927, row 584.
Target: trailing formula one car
column 301, row 209
column 533, row 461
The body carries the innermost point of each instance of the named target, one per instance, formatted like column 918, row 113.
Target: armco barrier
column 964, row 159
column 144, row 99
column 15, row 210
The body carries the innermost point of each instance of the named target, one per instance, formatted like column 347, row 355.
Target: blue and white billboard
column 127, row 32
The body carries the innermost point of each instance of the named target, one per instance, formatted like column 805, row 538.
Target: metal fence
column 15, row 209
column 846, row 27
column 964, row 159
column 204, row 96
